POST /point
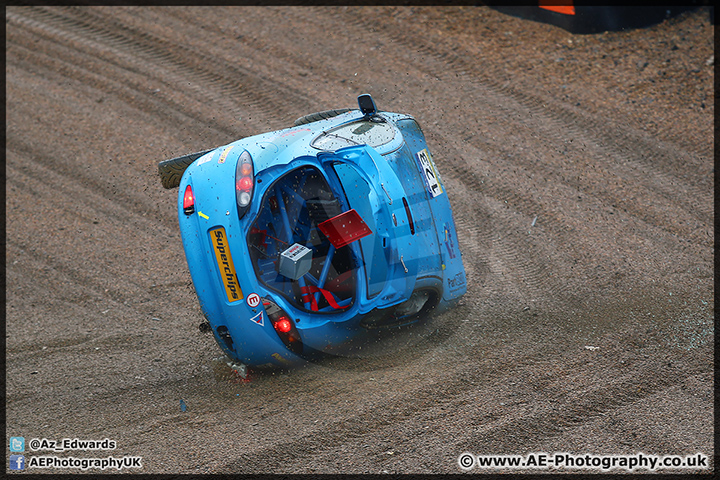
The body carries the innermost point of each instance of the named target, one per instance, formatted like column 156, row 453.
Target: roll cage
column 325, row 279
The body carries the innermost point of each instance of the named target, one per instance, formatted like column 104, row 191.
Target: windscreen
column 364, row 132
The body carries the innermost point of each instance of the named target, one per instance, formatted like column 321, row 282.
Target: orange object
column 566, row 8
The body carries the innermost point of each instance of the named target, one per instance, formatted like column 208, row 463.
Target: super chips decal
column 429, row 174
column 225, row 264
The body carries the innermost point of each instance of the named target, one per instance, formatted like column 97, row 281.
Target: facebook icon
column 17, row 462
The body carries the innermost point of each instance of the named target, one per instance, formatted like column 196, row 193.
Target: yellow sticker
column 203, row 216
column 225, row 265
column 224, row 154
column 280, row 359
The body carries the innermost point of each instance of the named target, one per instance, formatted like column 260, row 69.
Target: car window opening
column 290, row 213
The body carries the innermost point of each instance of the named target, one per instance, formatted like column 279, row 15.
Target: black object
column 594, row 19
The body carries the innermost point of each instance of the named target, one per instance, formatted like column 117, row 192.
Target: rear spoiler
column 171, row 171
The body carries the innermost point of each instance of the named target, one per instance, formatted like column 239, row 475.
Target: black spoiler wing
column 171, row 170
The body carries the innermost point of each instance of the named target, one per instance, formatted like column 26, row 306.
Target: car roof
column 283, row 146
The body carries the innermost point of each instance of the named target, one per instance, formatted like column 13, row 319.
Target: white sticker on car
column 253, row 300
column 259, row 319
column 429, row 174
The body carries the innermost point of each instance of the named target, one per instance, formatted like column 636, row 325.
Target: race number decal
column 429, row 174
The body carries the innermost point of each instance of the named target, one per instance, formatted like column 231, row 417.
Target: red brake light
column 244, row 181
column 245, row 184
column 283, row 325
column 188, row 201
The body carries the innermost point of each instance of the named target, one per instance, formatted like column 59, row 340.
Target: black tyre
column 171, row 171
column 314, row 117
column 416, row 307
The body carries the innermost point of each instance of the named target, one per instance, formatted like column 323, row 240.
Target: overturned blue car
column 303, row 240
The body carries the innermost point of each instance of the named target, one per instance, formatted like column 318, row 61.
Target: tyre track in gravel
column 121, row 206
column 214, row 82
column 564, row 408
column 301, row 448
column 85, row 192
column 626, row 151
column 125, row 56
column 142, row 52
column 561, row 124
column 601, row 400
column 72, row 37
column 65, row 62
column 41, row 171
column 557, row 409
column 562, row 399
column 462, row 57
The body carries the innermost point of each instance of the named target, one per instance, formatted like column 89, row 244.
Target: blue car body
column 301, row 240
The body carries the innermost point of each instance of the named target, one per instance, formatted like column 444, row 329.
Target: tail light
column 188, row 201
column 284, row 326
column 244, row 182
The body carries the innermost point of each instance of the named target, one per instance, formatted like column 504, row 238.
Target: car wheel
column 414, row 308
column 314, row 117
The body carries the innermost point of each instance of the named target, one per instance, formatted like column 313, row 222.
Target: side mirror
column 367, row 105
